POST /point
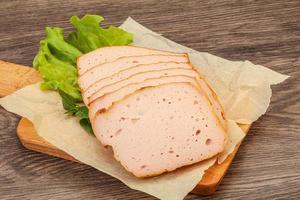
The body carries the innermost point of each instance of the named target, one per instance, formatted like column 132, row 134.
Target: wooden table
column 266, row 32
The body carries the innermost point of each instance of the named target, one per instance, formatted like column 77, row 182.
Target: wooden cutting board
column 14, row 77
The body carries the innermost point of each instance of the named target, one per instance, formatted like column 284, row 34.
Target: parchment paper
column 242, row 87
column 230, row 80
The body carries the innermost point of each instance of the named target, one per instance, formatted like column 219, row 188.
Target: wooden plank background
column 266, row 32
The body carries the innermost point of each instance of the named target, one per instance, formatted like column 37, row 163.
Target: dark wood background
column 265, row 32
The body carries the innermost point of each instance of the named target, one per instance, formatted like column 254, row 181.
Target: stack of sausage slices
column 152, row 107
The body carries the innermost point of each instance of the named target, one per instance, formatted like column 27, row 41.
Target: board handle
column 14, row 77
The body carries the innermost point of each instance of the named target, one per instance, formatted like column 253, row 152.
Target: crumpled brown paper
column 244, row 100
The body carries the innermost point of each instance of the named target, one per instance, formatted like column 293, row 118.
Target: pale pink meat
column 100, row 83
column 160, row 129
column 109, row 54
column 104, row 102
column 140, row 78
column 110, row 68
column 214, row 101
column 152, row 107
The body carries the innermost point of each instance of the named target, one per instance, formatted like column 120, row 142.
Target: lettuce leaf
column 77, row 110
column 59, row 47
column 89, row 35
column 57, row 74
column 56, row 59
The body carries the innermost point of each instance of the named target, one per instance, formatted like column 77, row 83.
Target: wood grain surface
column 267, row 165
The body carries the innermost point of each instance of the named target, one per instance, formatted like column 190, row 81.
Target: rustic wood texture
column 265, row 32
column 31, row 140
column 14, row 77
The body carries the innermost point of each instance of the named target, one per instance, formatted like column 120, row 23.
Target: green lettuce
column 89, row 35
column 77, row 110
column 56, row 59
column 57, row 74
